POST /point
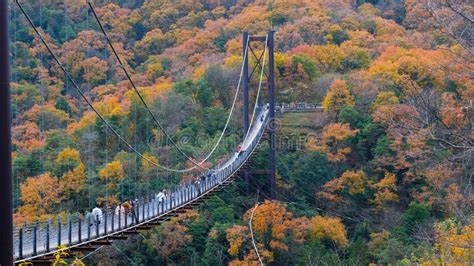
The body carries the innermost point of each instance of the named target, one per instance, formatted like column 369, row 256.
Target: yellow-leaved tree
column 329, row 229
column 385, row 98
column 148, row 165
column 338, row 96
column 328, row 57
column 454, row 242
column 71, row 172
column 350, row 183
column 111, row 174
column 385, row 192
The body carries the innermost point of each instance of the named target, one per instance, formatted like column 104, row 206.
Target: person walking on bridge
column 97, row 214
column 127, row 206
column 89, row 218
column 120, row 210
column 197, row 185
column 134, row 210
column 160, row 196
column 239, row 149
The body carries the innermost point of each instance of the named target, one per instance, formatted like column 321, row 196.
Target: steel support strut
column 245, row 100
column 271, row 94
column 245, row 83
column 6, row 207
column 272, row 122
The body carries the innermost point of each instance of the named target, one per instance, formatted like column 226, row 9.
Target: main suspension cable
column 197, row 164
column 151, row 113
column 83, row 94
column 136, row 89
column 256, row 100
column 108, row 124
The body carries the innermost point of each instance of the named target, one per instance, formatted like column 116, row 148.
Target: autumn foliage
column 275, row 229
column 39, row 195
column 382, row 174
column 333, row 142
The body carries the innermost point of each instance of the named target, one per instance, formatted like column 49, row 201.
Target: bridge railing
column 296, row 107
column 44, row 238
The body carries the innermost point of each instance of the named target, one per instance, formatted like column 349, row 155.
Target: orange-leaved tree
column 171, row 237
column 349, row 184
column 40, row 196
column 27, row 136
column 271, row 223
column 333, row 142
column 275, row 230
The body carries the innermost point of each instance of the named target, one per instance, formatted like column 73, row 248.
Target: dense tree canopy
column 382, row 175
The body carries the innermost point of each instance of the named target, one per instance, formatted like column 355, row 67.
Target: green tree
column 62, row 104
column 215, row 118
column 356, row 58
column 308, row 65
column 349, row 115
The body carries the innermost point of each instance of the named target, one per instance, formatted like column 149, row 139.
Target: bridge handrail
column 71, row 233
column 298, row 107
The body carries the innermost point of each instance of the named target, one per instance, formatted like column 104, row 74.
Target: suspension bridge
column 38, row 242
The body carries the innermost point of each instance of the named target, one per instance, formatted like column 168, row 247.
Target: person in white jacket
column 120, row 210
column 160, row 196
column 97, row 214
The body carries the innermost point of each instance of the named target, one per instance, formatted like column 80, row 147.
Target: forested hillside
column 382, row 175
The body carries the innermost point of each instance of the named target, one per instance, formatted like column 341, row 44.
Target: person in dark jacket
column 134, row 210
column 197, row 185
